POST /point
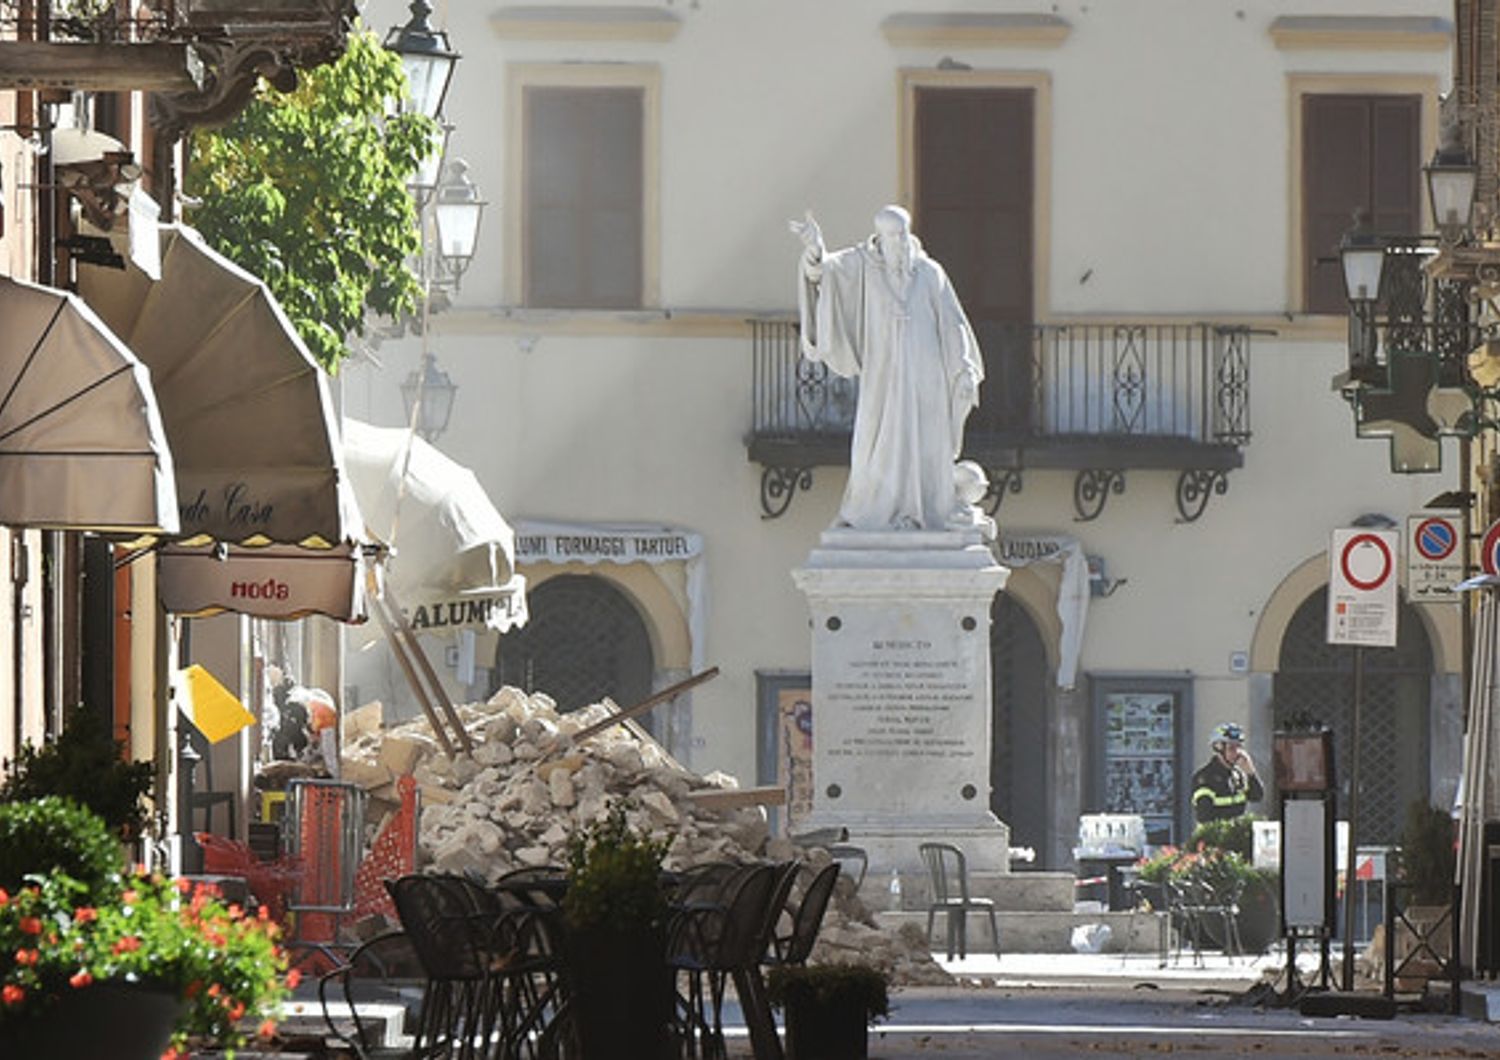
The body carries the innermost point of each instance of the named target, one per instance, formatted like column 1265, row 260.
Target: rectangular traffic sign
column 1434, row 559
column 1362, row 587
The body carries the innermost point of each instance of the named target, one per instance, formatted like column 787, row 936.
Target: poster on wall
column 794, row 721
column 1140, row 754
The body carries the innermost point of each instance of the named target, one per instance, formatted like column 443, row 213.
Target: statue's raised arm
column 811, row 235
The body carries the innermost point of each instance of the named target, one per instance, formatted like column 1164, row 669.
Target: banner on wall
column 539, row 541
column 1022, row 549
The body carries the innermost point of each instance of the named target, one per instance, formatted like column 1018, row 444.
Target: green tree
column 308, row 190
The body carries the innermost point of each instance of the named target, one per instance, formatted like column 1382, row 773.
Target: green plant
column 614, row 874
column 59, row 934
column 85, row 763
column 1213, row 865
column 1427, row 854
column 308, row 190
column 55, row 834
column 1234, row 834
column 837, row 986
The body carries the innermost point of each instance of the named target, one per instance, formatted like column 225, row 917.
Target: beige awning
column 275, row 581
column 453, row 561
column 247, row 410
column 82, row 445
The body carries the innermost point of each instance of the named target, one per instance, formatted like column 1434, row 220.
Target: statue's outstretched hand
column 811, row 235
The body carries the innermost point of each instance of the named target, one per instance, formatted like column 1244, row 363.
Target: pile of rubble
column 527, row 787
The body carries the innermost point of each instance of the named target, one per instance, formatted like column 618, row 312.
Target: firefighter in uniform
column 1228, row 781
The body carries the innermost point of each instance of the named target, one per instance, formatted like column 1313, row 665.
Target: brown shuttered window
column 974, row 205
column 583, row 198
column 1358, row 153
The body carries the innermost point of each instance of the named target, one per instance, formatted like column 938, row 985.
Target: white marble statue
column 885, row 311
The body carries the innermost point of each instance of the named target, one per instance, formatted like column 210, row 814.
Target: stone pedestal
column 901, row 694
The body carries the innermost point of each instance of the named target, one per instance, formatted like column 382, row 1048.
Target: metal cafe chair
column 794, row 946
column 948, row 873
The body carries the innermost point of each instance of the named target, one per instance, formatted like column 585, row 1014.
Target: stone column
column 901, row 693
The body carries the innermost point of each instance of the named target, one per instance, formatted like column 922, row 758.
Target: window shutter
column 583, row 197
column 1358, row 153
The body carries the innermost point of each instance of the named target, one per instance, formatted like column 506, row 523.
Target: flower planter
column 622, row 994
column 123, row 1021
column 816, row 1030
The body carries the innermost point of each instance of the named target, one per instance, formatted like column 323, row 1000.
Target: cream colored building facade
column 1166, row 187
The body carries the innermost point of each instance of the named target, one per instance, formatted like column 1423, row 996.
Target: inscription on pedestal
column 900, row 696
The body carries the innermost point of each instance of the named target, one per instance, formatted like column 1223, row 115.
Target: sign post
column 1361, row 613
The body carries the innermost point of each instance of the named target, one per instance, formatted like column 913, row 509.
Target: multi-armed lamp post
column 449, row 209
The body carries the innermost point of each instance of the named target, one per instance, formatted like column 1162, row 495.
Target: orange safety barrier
column 271, row 882
column 392, row 855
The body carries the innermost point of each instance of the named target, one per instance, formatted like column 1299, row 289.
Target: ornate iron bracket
column 777, row 487
column 1091, row 489
column 1193, row 489
column 1003, row 480
column 227, row 71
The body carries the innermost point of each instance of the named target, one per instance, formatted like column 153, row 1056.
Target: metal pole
column 1349, row 858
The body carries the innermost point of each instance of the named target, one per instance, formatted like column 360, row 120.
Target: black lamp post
column 428, row 394
column 427, row 56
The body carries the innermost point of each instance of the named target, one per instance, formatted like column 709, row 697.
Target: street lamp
column 428, row 394
column 427, row 56
column 457, row 210
column 425, row 179
column 1451, row 181
column 1362, row 255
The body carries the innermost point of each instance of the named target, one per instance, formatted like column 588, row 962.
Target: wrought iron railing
column 1415, row 315
column 1185, row 382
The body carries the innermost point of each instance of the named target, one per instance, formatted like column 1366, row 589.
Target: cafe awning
column 453, row 554
column 246, row 409
column 82, row 444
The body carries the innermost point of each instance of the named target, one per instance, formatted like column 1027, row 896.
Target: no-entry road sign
column 1362, row 587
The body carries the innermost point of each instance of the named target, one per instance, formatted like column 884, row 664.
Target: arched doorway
column 584, row 641
column 1019, row 790
column 1315, row 682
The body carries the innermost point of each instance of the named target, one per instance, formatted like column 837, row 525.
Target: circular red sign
column 1386, row 562
column 1487, row 558
column 1435, row 539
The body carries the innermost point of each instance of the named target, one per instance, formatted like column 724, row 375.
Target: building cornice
column 965, row 29
column 559, row 23
column 1361, row 33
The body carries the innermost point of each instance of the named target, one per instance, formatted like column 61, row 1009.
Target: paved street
column 1100, row 1006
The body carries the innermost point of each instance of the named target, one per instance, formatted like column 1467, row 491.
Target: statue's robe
column 910, row 344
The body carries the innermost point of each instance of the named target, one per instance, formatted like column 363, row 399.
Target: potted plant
column 614, row 915
column 1423, row 939
column 128, row 965
column 829, row 1008
column 87, row 765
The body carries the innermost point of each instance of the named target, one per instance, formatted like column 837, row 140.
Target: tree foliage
column 308, row 191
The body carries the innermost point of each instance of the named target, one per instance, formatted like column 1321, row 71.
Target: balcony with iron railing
column 1096, row 399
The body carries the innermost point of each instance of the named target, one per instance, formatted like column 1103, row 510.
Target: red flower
column 129, row 897
column 85, row 914
column 184, row 885
column 193, row 989
column 12, row 994
column 27, row 957
column 237, row 1012
column 31, row 925
column 129, row 944
column 80, row 980
column 267, row 1029
column 214, row 990
column 293, row 977
column 171, row 1053
column 4, row 898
